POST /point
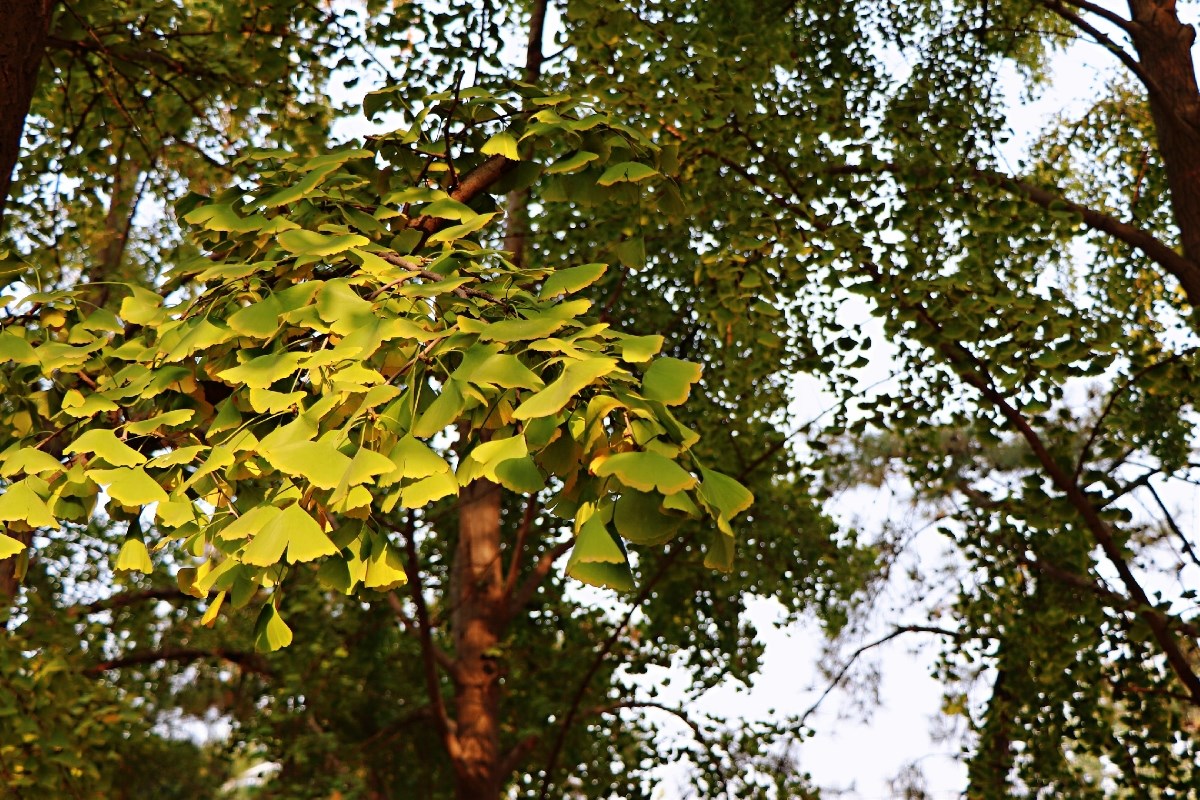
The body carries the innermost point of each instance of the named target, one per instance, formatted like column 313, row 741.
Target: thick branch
column 251, row 662
column 22, row 45
column 1183, row 269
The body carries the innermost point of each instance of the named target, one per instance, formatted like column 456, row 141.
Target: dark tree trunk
column 1164, row 48
column 23, row 32
column 477, row 591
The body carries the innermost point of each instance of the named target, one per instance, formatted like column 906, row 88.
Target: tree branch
column 537, row 575
column 128, row 599
column 441, row 719
column 251, row 662
column 609, row 644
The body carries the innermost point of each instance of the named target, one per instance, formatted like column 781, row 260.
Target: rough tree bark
column 23, row 34
column 477, row 625
column 1164, row 49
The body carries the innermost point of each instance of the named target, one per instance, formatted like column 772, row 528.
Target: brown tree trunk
column 477, row 592
column 23, row 32
column 1163, row 45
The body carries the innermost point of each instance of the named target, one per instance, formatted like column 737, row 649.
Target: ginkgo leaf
column 170, row 419
column 595, row 543
column 311, row 243
column 270, row 631
column 719, row 552
column 31, row 461
column 320, row 463
column 502, row 144
column 385, row 568
column 214, row 607
column 134, row 557
column 461, row 231
column 571, row 279
column 572, row 163
column 413, row 459
column 443, row 411
column 645, row 471
column 631, row 171
column 429, row 489
column 19, row 502
column 129, row 486
column 10, row 547
column 261, row 372
column 638, row 518
column 306, row 540
column 104, row 444
column 724, row 493
column 669, row 380
column 576, row 376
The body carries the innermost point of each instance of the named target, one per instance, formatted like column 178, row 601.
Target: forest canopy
column 414, row 463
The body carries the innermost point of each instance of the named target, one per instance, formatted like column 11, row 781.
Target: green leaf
column 519, row 475
column 723, row 493
column 574, row 379
column 461, row 231
column 638, row 517
column 134, row 557
column 426, row 491
column 311, row 243
column 443, row 411
column 632, row 252
column 572, row 163
column 645, row 471
column 595, row 543
column 16, row 350
column 385, row 568
column 104, row 444
column 669, row 380
column 20, row 502
column 572, row 279
column 270, row 631
column 719, row 553
column 502, row 144
column 626, row 171
column 301, row 189
column 637, row 349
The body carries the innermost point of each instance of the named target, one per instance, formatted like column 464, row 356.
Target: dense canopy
column 398, row 463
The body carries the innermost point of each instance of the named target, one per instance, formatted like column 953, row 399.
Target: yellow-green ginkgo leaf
column 261, row 372
column 306, row 540
column 626, row 171
column 571, row 279
column 723, row 493
column 29, row 460
column 669, row 380
column 311, row 243
column 638, row 518
column 168, row 420
column 576, row 376
column 19, row 502
column 80, row 407
column 645, row 471
column 320, row 463
column 134, row 557
column 10, row 547
column 270, row 631
column 429, row 489
column 385, row 568
column 129, row 486
column 104, row 444
column 502, row 144
column 412, row 458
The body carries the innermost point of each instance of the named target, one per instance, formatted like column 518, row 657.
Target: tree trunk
column 1163, row 45
column 23, row 34
column 477, row 594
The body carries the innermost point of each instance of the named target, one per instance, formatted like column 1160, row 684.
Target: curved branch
column 250, row 662
column 607, row 648
column 1183, row 269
